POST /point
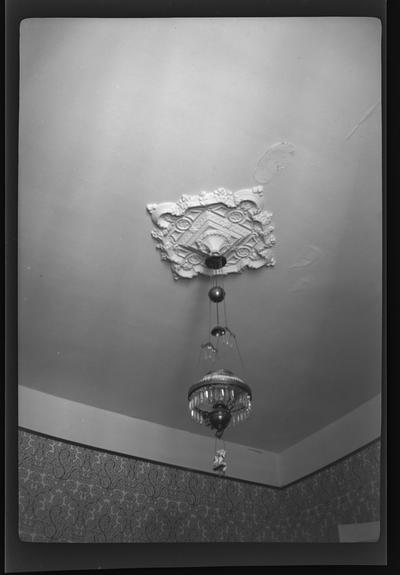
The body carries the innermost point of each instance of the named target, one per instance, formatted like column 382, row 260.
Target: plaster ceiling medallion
column 224, row 223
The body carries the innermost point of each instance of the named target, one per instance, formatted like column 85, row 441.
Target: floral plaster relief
column 232, row 224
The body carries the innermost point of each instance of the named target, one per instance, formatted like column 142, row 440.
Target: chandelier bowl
column 219, row 399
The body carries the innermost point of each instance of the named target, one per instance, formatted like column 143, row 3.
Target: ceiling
column 115, row 114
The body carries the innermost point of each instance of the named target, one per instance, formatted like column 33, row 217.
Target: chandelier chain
column 209, row 317
column 240, row 355
column 225, row 313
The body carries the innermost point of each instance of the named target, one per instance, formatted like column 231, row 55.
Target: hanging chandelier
column 220, row 398
column 201, row 234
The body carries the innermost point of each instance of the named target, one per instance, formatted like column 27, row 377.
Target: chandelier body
column 218, row 399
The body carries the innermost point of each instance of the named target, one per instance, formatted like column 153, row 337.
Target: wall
column 109, row 431
column 71, row 493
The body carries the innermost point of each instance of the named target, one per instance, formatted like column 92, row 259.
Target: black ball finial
column 216, row 294
column 219, row 417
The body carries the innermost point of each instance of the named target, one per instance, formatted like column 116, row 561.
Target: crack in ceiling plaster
column 367, row 114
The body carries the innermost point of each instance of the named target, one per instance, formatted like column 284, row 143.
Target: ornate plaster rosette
column 232, row 224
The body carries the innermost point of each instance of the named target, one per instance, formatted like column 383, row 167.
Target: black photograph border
column 23, row 557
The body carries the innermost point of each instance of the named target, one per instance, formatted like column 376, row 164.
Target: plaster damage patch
column 275, row 159
column 232, row 224
column 311, row 256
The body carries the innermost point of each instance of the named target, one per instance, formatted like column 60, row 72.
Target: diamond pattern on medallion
column 232, row 224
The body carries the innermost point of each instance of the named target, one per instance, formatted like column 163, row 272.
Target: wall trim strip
column 113, row 432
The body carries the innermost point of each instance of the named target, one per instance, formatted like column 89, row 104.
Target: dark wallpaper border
column 71, row 493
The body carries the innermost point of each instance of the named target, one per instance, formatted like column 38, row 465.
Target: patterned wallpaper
column 70, row 493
